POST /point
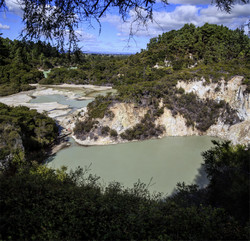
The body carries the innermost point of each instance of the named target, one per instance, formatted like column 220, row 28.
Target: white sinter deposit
column 53, row 109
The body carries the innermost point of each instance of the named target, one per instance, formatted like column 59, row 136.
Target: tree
column 60, row 18
column 228, row 170
column 39, row 203
column 3, row 51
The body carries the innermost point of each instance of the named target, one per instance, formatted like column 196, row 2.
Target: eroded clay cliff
column 127, row 115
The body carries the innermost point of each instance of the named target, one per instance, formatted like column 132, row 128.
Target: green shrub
column 99, row 107
column 84, row 127
column 105, row 130
column 113, row 133
column 27, row 130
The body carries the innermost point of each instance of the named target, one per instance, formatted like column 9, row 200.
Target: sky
column 114, row 36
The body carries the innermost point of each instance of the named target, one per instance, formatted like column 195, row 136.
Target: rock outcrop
column 175, row 125
column 232, row 92
column 127, row 115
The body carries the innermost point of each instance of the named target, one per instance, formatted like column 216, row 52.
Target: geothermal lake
column 161, row 163
column 166, row 161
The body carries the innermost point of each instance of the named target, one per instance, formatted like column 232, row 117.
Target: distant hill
column 208, row 44
column 195, row 73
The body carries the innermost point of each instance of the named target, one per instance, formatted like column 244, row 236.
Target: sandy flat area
column 54, row 109
column 55, row 113
column 41, row 91
column 74, row 86
column 17, row 99
column 49, row 106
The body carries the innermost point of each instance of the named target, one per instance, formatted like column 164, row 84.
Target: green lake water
column 166, row 161
column 61, row 99
column 73, row 103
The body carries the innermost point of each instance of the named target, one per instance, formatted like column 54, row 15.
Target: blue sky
column 114, row 36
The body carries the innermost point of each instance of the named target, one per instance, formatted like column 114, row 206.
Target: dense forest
column 210, row 51
column 40, row 203
column 20, row 63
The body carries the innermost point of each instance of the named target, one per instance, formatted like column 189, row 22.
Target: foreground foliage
column 43, row 204
column 24, row 134
column 228, row 169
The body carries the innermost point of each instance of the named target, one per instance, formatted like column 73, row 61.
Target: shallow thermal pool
column 61, row 99
column 72, row 103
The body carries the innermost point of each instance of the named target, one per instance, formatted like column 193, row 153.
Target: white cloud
column 2, row 26
column 114, row 19
column 84, row 36
column 238, row 16
column 193, row 2
column 165, row 21
column 237, row 11
column 15, row 7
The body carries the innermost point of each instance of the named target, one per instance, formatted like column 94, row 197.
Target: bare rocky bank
column 127, row 115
